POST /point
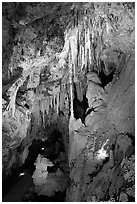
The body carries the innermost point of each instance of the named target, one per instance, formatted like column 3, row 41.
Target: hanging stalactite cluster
column 49, row 102
column 82, row 48
column 84, row 40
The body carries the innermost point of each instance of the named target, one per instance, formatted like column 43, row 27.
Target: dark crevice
column 89, row 111
column 58, row 197
column 105, row 79
column 79, row 107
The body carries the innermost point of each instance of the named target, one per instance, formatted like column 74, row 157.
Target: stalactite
column 71, row 89
column 83, row 58
column 80, row 57
column 80, row 45
column 43, row 110
column 63, row 87
column 38, row 113
column 55, row 98
column 78, row 49
column 48, row 102
column 57, row 102
column 61, row 99
column 47, row 105
column 79, row 90
column 89, row 46
column 74, row 51
column 54, row 101
column 85, row 47
column 50, row 98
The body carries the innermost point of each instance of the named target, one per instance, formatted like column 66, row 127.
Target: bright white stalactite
column 43, row 110
column 57, row 102
column 50, row 98
column 71, row 89
column 73, row 48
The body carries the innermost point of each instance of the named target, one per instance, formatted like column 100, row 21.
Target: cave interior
column 68, row 101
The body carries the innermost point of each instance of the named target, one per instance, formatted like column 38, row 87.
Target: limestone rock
column 95, row 93
column 48, row 183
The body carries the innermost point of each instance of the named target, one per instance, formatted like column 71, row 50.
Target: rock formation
column 68, row 98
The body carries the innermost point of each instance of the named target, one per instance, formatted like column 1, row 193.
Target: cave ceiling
column 40, row 36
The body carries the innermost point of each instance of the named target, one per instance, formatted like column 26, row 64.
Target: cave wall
column 49, row 47
column 121, row 104
column 98, row 171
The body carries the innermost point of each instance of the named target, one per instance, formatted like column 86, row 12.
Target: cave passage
column 50, row 149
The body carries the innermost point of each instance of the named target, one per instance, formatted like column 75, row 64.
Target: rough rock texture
column 121, row 104
column 96, row 169
column 48, row 183
column 54, row 53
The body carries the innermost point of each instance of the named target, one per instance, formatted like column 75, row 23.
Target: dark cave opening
column 79, row 107
column 9, row 181
column 106, row 79
column 50, row 149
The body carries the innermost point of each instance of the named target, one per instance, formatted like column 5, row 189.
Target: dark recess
column 79, row 107
column 105, row 79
